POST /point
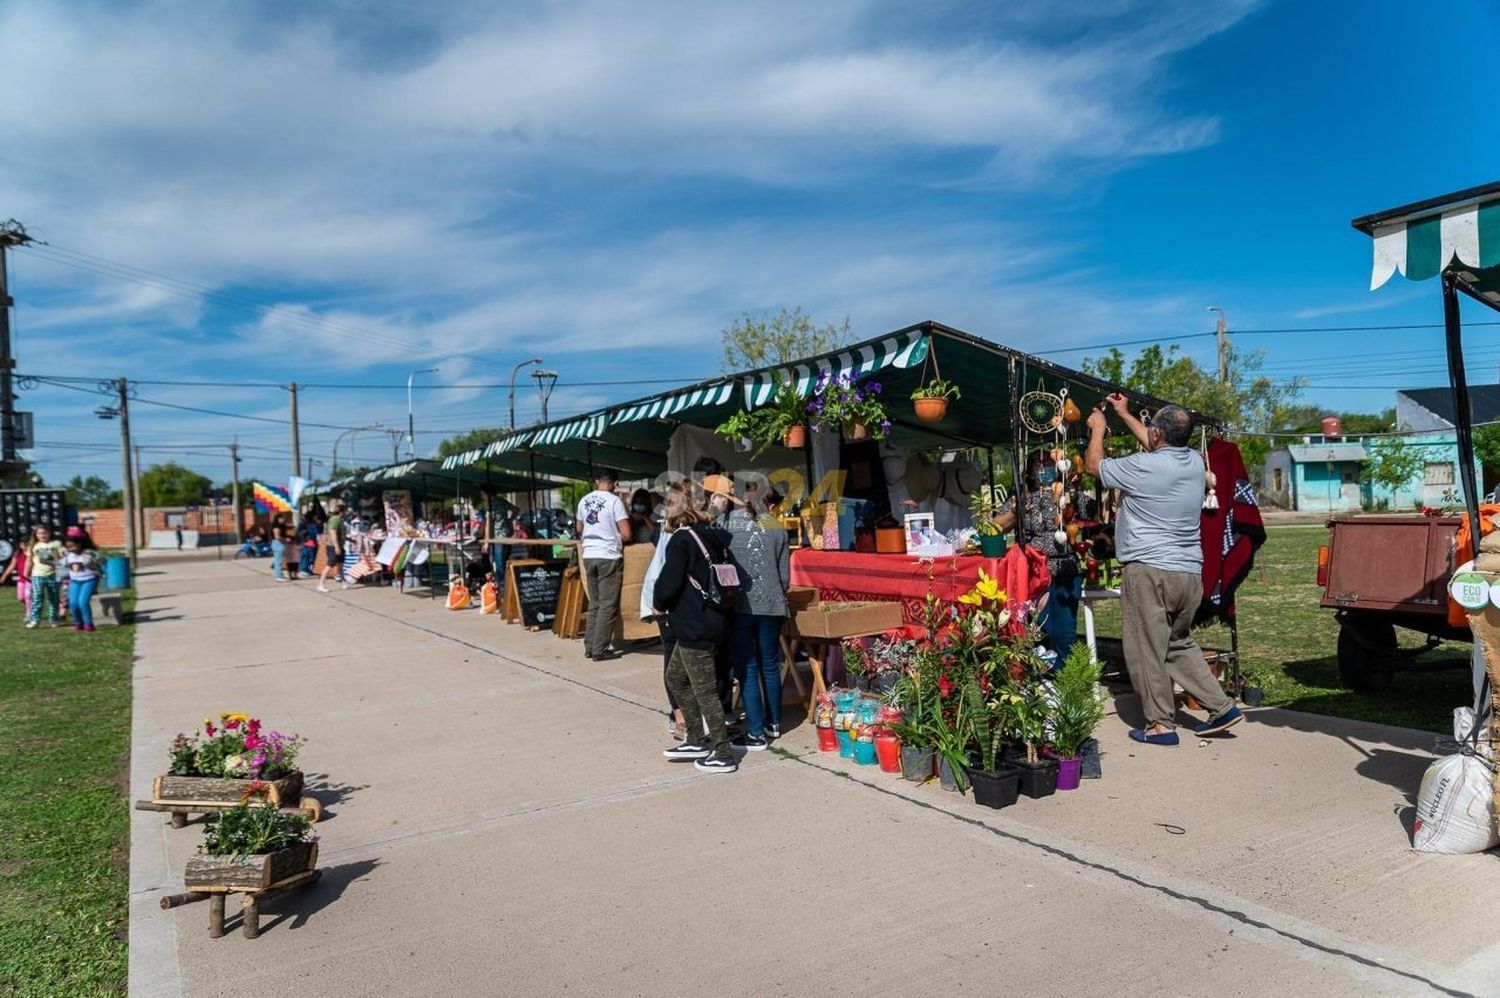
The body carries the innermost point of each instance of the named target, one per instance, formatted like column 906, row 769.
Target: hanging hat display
column 923, row 479
column 893, row 463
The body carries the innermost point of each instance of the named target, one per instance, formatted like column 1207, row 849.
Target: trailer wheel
column 1366, row 654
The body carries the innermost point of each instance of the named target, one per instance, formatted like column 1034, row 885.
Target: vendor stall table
column 1086, row 608
column 850, row 575
column 453, row 555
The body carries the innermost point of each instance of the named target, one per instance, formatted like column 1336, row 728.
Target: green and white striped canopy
column 1459, row 233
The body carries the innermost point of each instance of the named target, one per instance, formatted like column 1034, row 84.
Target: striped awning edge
column 1422, row 247
column 904, row 351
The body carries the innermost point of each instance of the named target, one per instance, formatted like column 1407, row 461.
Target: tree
column 766, row 340
column 1393, row 463
column 1248, row 400
column 171, row 484
column 466, row 441
column 92, row 492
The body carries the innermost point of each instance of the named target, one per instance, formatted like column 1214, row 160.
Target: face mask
column 1046, row 476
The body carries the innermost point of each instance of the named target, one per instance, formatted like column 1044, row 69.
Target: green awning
column 1458, row 233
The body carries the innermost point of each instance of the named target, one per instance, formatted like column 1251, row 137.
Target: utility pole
column 12, row 233
column 234, row 492
column 1223, row 334
column 140, row 502
column 127, row 477
column 545, row 381
column 296, row 455
column 396, row 436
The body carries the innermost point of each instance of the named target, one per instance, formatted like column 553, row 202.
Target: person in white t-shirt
column 603, row 531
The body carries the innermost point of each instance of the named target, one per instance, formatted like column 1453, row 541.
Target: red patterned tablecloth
column 849, row 575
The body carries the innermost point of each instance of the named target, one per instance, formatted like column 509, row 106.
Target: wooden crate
column 250, row 872
column 195, row 790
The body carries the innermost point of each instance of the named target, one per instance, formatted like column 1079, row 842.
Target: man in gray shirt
column 1157, row 540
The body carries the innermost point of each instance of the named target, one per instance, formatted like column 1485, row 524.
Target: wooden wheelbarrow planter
column 184, row 795
column 259, row 878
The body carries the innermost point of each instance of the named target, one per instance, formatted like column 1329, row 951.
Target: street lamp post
column 515, row 371
column 338, row 439
column 411, row 435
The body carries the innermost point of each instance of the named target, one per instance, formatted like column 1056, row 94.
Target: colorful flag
column 271, row 498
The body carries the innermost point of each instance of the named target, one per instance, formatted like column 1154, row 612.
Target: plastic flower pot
column 884, row 682
column 947, row 779
column 1038, row 779
column 846, row 744
column 1067, row 773
column 930, row 410
column 998, row 789
column 795, row 437
column 864, row 753
column 916, row 763
column 828, row 740
column 888, row 751
column 992, row 545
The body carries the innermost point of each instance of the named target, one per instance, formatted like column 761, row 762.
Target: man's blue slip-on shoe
column 1168, row 738
column 1223, row 722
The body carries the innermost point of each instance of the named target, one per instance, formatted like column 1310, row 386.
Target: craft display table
column 1086, row 610
column 888, row 578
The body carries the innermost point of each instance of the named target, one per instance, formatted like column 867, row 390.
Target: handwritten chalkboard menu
column 537, row 588
column 22, row 509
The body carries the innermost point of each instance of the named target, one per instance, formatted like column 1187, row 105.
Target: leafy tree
column 171, row 484
column 467, row 441
column 1248, row 400
column 572, row 492
column 1487, row 445
column 766, row 340
column 92, row 492
column 1393, row 463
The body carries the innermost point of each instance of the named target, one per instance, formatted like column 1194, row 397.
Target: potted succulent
column 984, row 505
column 841, row 402
column 783, row 421
column 1079, row 709
column 247, row 847
column 931, row 400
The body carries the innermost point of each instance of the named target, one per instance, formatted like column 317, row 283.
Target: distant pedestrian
column 1157, row 539
column 335, row 537
column 307, row 543
column 42, row 557
column 179, row 538
column 603, row 528
column 761, row 551
column 83, row 578
column 282, row 536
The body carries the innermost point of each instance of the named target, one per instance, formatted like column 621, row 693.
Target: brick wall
column 107, row 526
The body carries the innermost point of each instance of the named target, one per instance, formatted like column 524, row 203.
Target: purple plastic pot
column 1067, row 773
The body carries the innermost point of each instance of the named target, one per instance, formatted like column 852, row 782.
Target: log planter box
column 182, row 795
column 259, row 878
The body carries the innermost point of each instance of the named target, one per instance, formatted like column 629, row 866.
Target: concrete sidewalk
column 499, row 820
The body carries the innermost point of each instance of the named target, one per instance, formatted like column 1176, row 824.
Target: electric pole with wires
column 12, row 233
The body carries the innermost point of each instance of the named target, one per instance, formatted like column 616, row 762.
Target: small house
column 1320, row 475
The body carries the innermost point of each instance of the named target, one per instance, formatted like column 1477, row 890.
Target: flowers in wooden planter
column 237, row 747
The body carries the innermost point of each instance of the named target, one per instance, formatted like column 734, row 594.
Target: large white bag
column 1455, row 807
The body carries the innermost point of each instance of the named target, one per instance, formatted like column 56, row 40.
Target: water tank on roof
column 1332, row 427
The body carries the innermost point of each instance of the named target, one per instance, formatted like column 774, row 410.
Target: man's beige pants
column 1156, row 610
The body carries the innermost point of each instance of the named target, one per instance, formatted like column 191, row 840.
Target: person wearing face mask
column 1040, row 523
column 643, row 528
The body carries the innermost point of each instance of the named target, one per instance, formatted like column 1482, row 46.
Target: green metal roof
column 633, row 436
column 431, row 476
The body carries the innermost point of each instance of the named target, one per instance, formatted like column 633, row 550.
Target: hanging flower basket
column 930, row 409
column 795, row 437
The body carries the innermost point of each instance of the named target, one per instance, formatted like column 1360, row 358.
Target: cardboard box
column 632, row 627
column 836, row 620
column 801, row 597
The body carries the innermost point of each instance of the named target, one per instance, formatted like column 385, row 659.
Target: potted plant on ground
column 931, row 400
column 1079, row 709
column 252, row 847
column 214, row 766
column 783, row 420
column 841, row 402
column 1022, row 702
column 916, row 695
column 985, row 504
column 982, row 640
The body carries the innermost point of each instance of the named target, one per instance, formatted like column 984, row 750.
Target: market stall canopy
column 425, row 475
column 1457, row 233
column 633, row 436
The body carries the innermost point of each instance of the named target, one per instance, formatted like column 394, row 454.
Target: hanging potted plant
column 1078, row 711
column 931, row 400
column 782, row 421
column 840, row 402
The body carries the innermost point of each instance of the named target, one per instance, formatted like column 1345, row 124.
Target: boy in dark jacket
column 700, row 629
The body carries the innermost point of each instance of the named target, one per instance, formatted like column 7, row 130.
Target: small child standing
column 42, row 557
column 17, row 567
column 83, row 579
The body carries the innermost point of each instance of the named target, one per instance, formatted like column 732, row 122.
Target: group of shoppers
column 294, row 547
column 716, row 588
column 55, row 576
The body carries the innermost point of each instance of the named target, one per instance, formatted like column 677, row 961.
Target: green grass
column 1287, row 645
column 64, row 823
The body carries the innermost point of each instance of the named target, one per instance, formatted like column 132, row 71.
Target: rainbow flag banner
column 271, row 498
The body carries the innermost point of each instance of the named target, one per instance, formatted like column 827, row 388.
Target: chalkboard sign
column 537, row 588
column 22, row 509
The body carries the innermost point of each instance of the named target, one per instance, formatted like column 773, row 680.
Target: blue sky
column 344, row 194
